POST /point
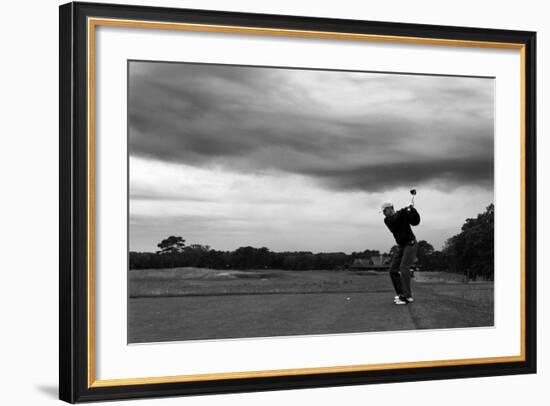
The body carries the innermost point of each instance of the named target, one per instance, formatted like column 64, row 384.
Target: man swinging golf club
column 400, row 223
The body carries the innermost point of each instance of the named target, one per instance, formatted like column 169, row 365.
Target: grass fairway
column 192, row 304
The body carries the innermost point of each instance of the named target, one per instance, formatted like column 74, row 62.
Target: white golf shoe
column 402, row 300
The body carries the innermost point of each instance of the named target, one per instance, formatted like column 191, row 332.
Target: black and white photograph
column 281, row 201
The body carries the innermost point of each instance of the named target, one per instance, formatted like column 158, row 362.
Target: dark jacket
column 400, row 224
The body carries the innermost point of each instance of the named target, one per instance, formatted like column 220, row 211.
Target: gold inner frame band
column 94, row 22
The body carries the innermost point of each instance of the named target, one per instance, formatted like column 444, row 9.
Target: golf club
column 413, row 193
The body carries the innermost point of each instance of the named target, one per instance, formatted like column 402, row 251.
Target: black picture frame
column 74, row 379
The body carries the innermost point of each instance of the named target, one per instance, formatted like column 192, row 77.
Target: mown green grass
column 194, row 304
column 199, row 281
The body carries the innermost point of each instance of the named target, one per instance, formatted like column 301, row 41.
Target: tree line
column 470, row 252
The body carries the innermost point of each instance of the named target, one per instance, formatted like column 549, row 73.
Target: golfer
column 400, row 223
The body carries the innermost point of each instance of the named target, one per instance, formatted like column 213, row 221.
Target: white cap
column 385, row 205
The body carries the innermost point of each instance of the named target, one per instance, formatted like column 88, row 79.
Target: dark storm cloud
column 346, row 130
column 438, row 173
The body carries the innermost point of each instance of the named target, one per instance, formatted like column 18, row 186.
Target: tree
column 171, row 245
column 437, row 261
column 367, row 254
column 424, row 252
column 472, row 250
column 393, row 250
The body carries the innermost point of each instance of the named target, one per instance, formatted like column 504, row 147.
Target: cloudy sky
column 295, row 159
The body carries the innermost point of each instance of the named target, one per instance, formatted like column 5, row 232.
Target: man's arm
column 412, row 216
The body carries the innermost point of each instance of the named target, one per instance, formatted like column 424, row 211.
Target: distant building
column 378, row 263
